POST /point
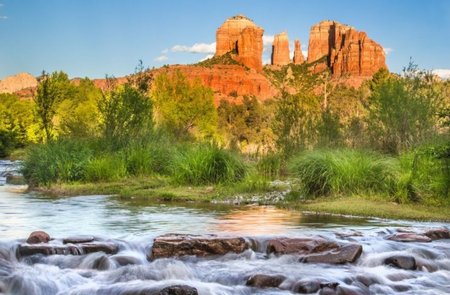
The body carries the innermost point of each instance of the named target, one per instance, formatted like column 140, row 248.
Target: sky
column 108, row 37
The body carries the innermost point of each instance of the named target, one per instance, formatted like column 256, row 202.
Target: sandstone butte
column 345, row 51
column 280, row 50
column 240, row 35
column 298, row 54
column 351, row 56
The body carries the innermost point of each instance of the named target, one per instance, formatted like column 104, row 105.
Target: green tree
column 184, row 107
column 296, row 120
column 402, row 110
column 51, row 91
column 126, row 113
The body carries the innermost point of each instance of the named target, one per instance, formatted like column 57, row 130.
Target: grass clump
column 106, row 168
column 325, row 172
column 207, row 164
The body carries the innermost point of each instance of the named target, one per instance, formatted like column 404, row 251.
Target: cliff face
column 243, row 37
column 17, row 82
column 280, row 50
column 298, row 54
column 348, row 52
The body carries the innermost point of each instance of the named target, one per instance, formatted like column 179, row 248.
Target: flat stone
column 176, row 245
column 78, row 239
column 108, row 248
column 345, row 254
column 78, row 249
column 301, row 246
column 437, row 233
column 265, row 281
column 409, row 237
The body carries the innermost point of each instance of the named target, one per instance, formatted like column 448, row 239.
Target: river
column 133, row 225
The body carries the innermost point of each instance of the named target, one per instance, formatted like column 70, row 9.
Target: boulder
column 78, row 239
column 401, row 261
column 409, row 237
column 280, row 50
column 177, row 245
column 265, row 281
column 102, row 263
column 437, row 233
column 302, row 246
column 123, row 260
column 37, row 237
column 15, row 179
column 178, row 290
column 306, row 286
column 345, row 254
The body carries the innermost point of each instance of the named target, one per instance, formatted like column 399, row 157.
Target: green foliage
column 296, row 120
column 401, row 111
column 207, row 164
column 51, row 91
column 269, row 166
column 330, row 131
column 56, row 161
column 106, row 167
column 325, row 172
column 225, row 59
column 7, row 143
column 183, row 107
column 126, row 113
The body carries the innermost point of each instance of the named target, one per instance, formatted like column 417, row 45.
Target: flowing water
column 133, row 225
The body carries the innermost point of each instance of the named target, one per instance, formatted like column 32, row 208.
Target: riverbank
column 160, row 190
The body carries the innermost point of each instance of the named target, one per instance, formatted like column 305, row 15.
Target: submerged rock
column 265, row 281
column 401, row 261
column 437, row 233
column 177, row 245
column 37, row 237
column 179, row 290
column 301, row 246
column 306, row 286
column 409, row 237
column 345, row 254
column 78, row 239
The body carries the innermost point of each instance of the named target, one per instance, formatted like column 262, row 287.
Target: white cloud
column 161, row 58
column 305, row 53
column 387, row 50
column 196, row 48
column 268, row 40
column 442, row 73
column 206, row 57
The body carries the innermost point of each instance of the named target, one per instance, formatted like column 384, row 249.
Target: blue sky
column 94, row 38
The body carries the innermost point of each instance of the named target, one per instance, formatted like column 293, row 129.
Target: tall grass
column 269, row 166
column 324, row 172
column 207, row 164
column 60, row 161
column 106, row 167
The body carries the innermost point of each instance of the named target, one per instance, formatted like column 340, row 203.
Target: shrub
column 324, row 172
column 63, row 160
column 207, row 164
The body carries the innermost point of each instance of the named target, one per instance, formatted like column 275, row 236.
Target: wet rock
column 401, row 288
column 79, row 249
column 303, row 246
column 37, row 237
column 328, row 288
column 345, row 254
column 108, row 248
column 179, row 290
column 78, row 239
column 401, row 261
column 366, row 281
column 306, row 286
column 15, row 179
column 265, row 281
column 102, row 263
column 352, row 290
column 175, row 245
column 437, row 233
column 123, row 260
column 409, row 237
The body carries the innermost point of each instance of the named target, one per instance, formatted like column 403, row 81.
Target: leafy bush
column 324, row 172
column 207, row 164
column 63, row 160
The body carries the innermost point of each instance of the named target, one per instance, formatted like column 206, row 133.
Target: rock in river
column 409, row 237
column 177, row 245
column 37, row 237
column 401, row 261
column 345, row 254
column 265, row 281
column 303, row 246
column 57, row 249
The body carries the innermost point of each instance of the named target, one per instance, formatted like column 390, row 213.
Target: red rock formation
column 241, row 35
column 298, row 55
column 17, row 82
column 280, row 50
column 345, row 50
